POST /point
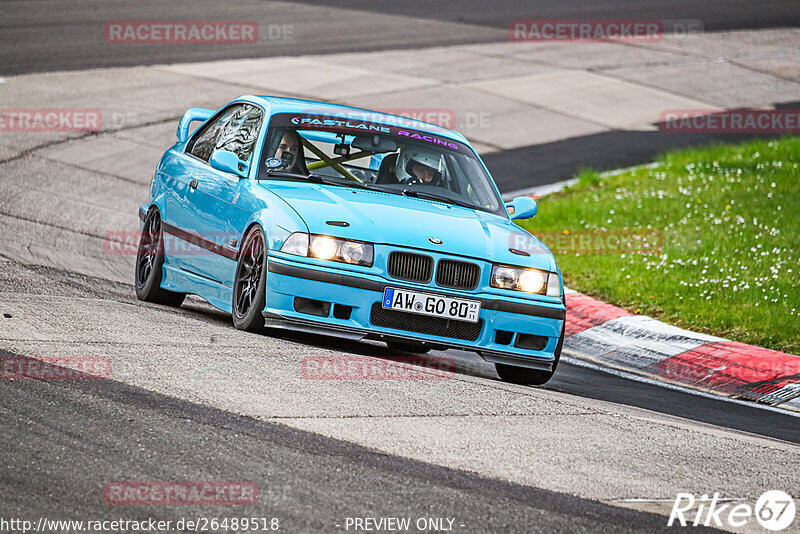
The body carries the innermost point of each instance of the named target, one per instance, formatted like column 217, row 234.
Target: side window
column 239, row 134
column 235, row 130
column 205, row 141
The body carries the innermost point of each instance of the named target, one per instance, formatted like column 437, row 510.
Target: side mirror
column 194, row 114
column 522, row 208
column 226, row 161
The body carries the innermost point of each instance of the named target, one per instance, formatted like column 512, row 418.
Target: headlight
column 352, row 252
column 297, row 244
column 324, row 247
column 532, row 281
column 527, row 280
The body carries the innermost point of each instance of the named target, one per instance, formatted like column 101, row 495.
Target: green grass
column 730, row 220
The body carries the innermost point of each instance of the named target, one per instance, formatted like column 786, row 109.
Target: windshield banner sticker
column 317, row 122
column 428, row 138
column 340, row 123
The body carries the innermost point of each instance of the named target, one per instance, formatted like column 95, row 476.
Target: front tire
column 249, row 284
column 515, row 374
column 531, row 377
column 150, row 263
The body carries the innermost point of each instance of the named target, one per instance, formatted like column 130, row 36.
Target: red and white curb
column 611, row 337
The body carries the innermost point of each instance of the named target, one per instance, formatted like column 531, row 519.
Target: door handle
column 193, row 184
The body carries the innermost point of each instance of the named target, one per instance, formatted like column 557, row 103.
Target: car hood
column 393, row 219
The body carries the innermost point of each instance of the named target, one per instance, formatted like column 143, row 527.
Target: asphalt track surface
column 57, row 35
column 715, row 14
column 308, row 481
column 62, row 441
column 47, row 35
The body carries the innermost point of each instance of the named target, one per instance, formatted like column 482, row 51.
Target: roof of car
column 279, row 104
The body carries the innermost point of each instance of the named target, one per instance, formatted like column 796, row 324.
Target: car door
column 211, row 192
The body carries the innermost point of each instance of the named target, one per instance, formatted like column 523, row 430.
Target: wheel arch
column 156, row 202
column 247, row 230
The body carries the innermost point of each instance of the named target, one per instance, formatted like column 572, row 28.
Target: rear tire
column 150, row 263
column 250, row 283
column 416, row 348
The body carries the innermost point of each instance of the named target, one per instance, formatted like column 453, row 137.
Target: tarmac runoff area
column 67, row 296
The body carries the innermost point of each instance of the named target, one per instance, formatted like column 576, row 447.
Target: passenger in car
column 418, row 166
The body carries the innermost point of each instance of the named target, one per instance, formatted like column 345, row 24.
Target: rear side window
column 235, row 130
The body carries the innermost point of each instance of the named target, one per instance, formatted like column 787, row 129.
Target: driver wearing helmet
column 419, row 166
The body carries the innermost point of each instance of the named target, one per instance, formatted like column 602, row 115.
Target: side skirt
column 216, row 294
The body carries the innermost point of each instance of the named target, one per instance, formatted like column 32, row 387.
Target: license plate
column 427, row 304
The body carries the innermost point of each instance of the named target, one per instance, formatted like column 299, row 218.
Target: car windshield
column 388, row 157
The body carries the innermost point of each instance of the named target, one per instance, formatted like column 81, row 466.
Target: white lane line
column 557, row 187
column 632, row 168
column 638, row 378
column 707, row 499
column 540, row 190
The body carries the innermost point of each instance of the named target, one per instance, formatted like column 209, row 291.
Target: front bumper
column 288, row 280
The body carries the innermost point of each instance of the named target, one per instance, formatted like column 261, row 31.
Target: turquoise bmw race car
column 341, row 221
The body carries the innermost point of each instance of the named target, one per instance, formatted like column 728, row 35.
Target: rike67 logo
column 774, row 510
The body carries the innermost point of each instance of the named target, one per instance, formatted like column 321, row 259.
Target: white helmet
column 411, row 156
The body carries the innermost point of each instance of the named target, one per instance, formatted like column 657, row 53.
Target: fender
column 277, row 224
column 144, row 209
